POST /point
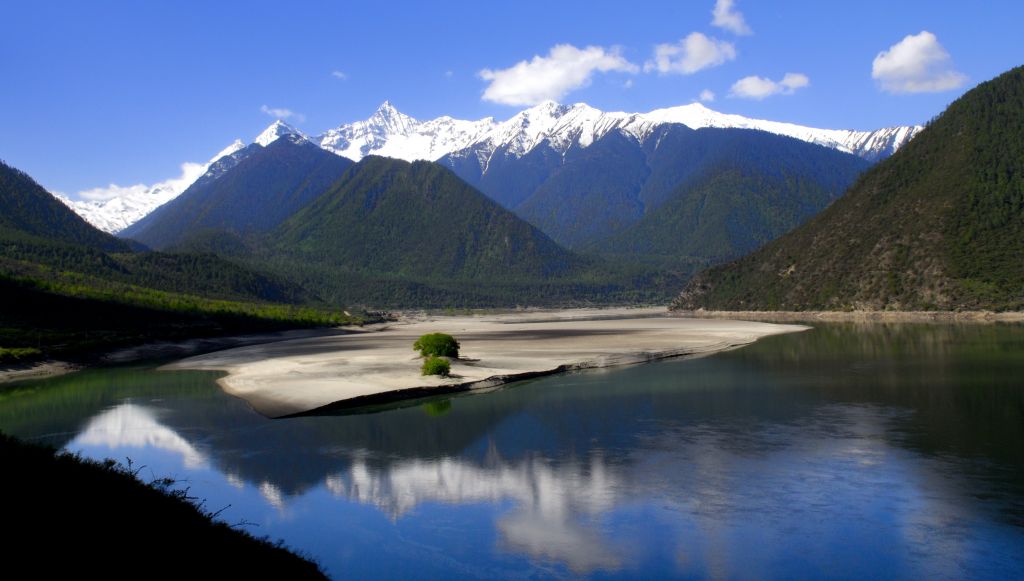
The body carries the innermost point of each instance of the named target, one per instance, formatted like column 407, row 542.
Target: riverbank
column 152, row 529
column 377, row 366
column 944, row 317
column 153, row 351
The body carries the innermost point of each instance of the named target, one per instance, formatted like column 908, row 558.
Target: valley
column 657, row 291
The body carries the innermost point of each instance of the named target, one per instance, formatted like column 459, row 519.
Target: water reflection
column 134, row 427
column 549, row 499
column 844, row 452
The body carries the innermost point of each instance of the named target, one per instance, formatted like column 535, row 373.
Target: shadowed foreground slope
column 69, row 517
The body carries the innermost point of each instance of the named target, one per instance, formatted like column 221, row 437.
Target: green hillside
column 69, row 289
column 418, row 219
column 396, row 234
column 939, row 225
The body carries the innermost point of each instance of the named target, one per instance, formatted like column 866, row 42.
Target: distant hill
column 611, row 196
column 939, row 225
column 417, row 219
column 269, row 185
column 26, row 209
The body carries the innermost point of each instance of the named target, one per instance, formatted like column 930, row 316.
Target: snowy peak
column 391, row 133
column 389, row 121
column 276, row 130
column 560, row 125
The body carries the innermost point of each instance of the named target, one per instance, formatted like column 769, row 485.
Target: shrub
column 438, row 344
column 433, row 365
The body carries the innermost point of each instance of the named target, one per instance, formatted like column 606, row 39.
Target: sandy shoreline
column 859, row 316
column 36, row 370
column 363, row 367
column 156, row 350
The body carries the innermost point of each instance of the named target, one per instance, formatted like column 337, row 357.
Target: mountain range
column 383, row 231
column 677, row 200
column 606, row 212
column 939, row 225
column 264, row 185
column 581, row 196
column 471, row 147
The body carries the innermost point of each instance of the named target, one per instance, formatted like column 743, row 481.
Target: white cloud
column 628, row 84
column 707, row 95
column 565, row 69
column 725, row 15
column 758, row 88
column 916, row 64
column 339, row 75
column 449, row 74
column 691, row 54
column 283, row 114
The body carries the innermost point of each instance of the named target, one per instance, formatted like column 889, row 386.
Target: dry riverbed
column 379, row 365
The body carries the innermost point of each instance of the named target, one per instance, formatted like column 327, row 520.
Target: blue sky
column 124, row 92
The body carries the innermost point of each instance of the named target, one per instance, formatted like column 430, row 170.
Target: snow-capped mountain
column 579, row 125
column 114, row 208
column 390, row 133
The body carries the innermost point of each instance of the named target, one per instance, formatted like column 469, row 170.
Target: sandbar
column 371, row 366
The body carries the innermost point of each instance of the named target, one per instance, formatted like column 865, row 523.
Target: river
column 847, row 451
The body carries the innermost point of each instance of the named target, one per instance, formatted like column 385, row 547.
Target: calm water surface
column 846, row 451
